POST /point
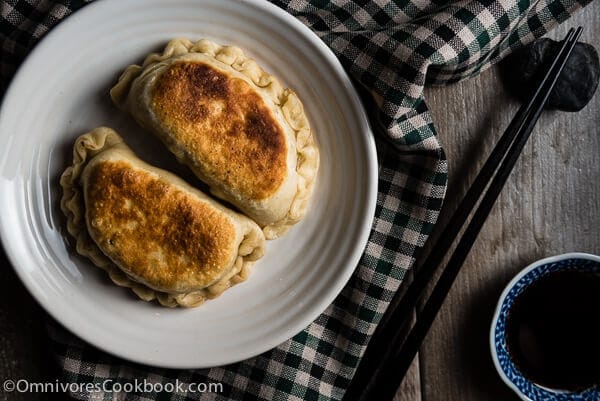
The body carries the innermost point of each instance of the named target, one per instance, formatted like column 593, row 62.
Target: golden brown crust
column 226, row 124
column 288, row 204
column 164, row 237
column 102, row 155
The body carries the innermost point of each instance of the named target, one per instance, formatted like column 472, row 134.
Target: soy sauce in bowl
column 553, row 330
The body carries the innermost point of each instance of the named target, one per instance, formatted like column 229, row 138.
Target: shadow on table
column 24, row 343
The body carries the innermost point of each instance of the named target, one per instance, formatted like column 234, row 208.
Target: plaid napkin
column 393, row 47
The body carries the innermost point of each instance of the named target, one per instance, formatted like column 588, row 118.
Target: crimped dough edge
column 289, row 103
column 72, row 204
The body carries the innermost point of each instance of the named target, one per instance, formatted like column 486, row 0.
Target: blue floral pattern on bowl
column 507, row 369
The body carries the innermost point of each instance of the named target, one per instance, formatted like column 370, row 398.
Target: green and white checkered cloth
column 393, row 47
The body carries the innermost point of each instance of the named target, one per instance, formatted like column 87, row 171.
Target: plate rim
column 341, row 280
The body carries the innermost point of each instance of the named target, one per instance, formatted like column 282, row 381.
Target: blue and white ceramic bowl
column 506, row 368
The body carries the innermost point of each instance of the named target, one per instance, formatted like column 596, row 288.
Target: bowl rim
column 500, row 303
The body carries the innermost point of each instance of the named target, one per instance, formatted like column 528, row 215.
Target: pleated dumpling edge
column 150, row 230
column 233, row 124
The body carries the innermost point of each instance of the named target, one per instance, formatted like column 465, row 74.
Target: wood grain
column 24, row 351
column 550, row 205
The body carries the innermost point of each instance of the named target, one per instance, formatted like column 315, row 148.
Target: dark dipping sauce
column 553, row 331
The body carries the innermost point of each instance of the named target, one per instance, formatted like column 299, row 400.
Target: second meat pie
column 149, row 229
column 233, row 124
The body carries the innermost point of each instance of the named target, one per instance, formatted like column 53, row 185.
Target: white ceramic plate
column 61, row 91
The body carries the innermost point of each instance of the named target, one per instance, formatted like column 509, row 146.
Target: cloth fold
column 393, row 48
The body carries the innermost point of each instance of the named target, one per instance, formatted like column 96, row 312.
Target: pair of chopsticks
column 390, row 353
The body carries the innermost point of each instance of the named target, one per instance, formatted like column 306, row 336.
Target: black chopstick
column 384, row 354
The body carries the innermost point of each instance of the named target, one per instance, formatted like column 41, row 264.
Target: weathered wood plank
column 24, row 352
column 550, row 205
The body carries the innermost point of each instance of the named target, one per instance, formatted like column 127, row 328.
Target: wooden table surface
column 551, row 205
